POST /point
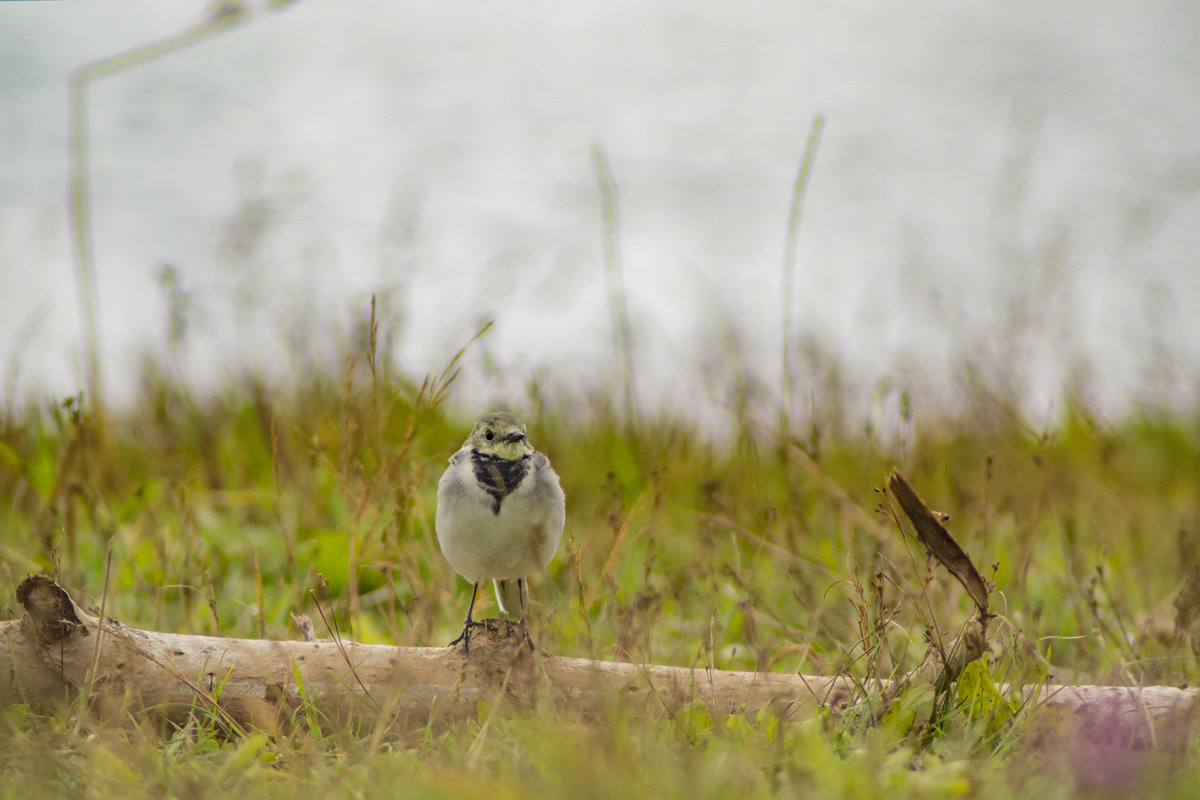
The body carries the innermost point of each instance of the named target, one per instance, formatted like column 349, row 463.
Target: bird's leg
column 523, row 589
column 462, row 637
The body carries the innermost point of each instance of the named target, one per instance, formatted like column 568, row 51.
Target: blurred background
column 1003, row 195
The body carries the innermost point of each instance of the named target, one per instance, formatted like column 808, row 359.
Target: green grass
column 219, row 513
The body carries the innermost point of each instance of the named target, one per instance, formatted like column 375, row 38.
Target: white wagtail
column 500, row 513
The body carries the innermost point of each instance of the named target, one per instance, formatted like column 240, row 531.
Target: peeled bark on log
column 56, row 651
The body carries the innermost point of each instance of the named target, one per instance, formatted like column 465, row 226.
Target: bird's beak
column 514, row 437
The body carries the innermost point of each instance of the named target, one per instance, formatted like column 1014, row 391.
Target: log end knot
column 49, row 608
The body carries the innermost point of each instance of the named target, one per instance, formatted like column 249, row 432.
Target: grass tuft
column 224, row 514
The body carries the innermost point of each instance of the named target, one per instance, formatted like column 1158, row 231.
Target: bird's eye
column 489, row 435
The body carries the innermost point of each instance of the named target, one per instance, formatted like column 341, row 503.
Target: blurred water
column 1017, row 177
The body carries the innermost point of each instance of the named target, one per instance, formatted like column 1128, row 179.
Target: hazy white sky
column 975, row 160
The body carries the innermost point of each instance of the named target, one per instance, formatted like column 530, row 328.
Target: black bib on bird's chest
column 499, row 476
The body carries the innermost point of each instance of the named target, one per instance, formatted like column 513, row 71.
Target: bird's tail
column 508, row 594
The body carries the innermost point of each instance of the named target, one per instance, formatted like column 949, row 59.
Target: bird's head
column 500, row 435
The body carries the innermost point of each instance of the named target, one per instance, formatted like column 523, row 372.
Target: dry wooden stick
column 45, row 656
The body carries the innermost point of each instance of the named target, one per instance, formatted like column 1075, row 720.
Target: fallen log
column 56, row 652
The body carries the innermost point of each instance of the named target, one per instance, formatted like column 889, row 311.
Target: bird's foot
column 525, row 635
column 464, row 637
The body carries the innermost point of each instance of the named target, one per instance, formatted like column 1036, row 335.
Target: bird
column 500, row 514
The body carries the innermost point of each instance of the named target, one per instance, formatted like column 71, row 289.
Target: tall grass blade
column 799, row 189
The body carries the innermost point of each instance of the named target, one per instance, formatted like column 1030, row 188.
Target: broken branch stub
column 939, row 543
